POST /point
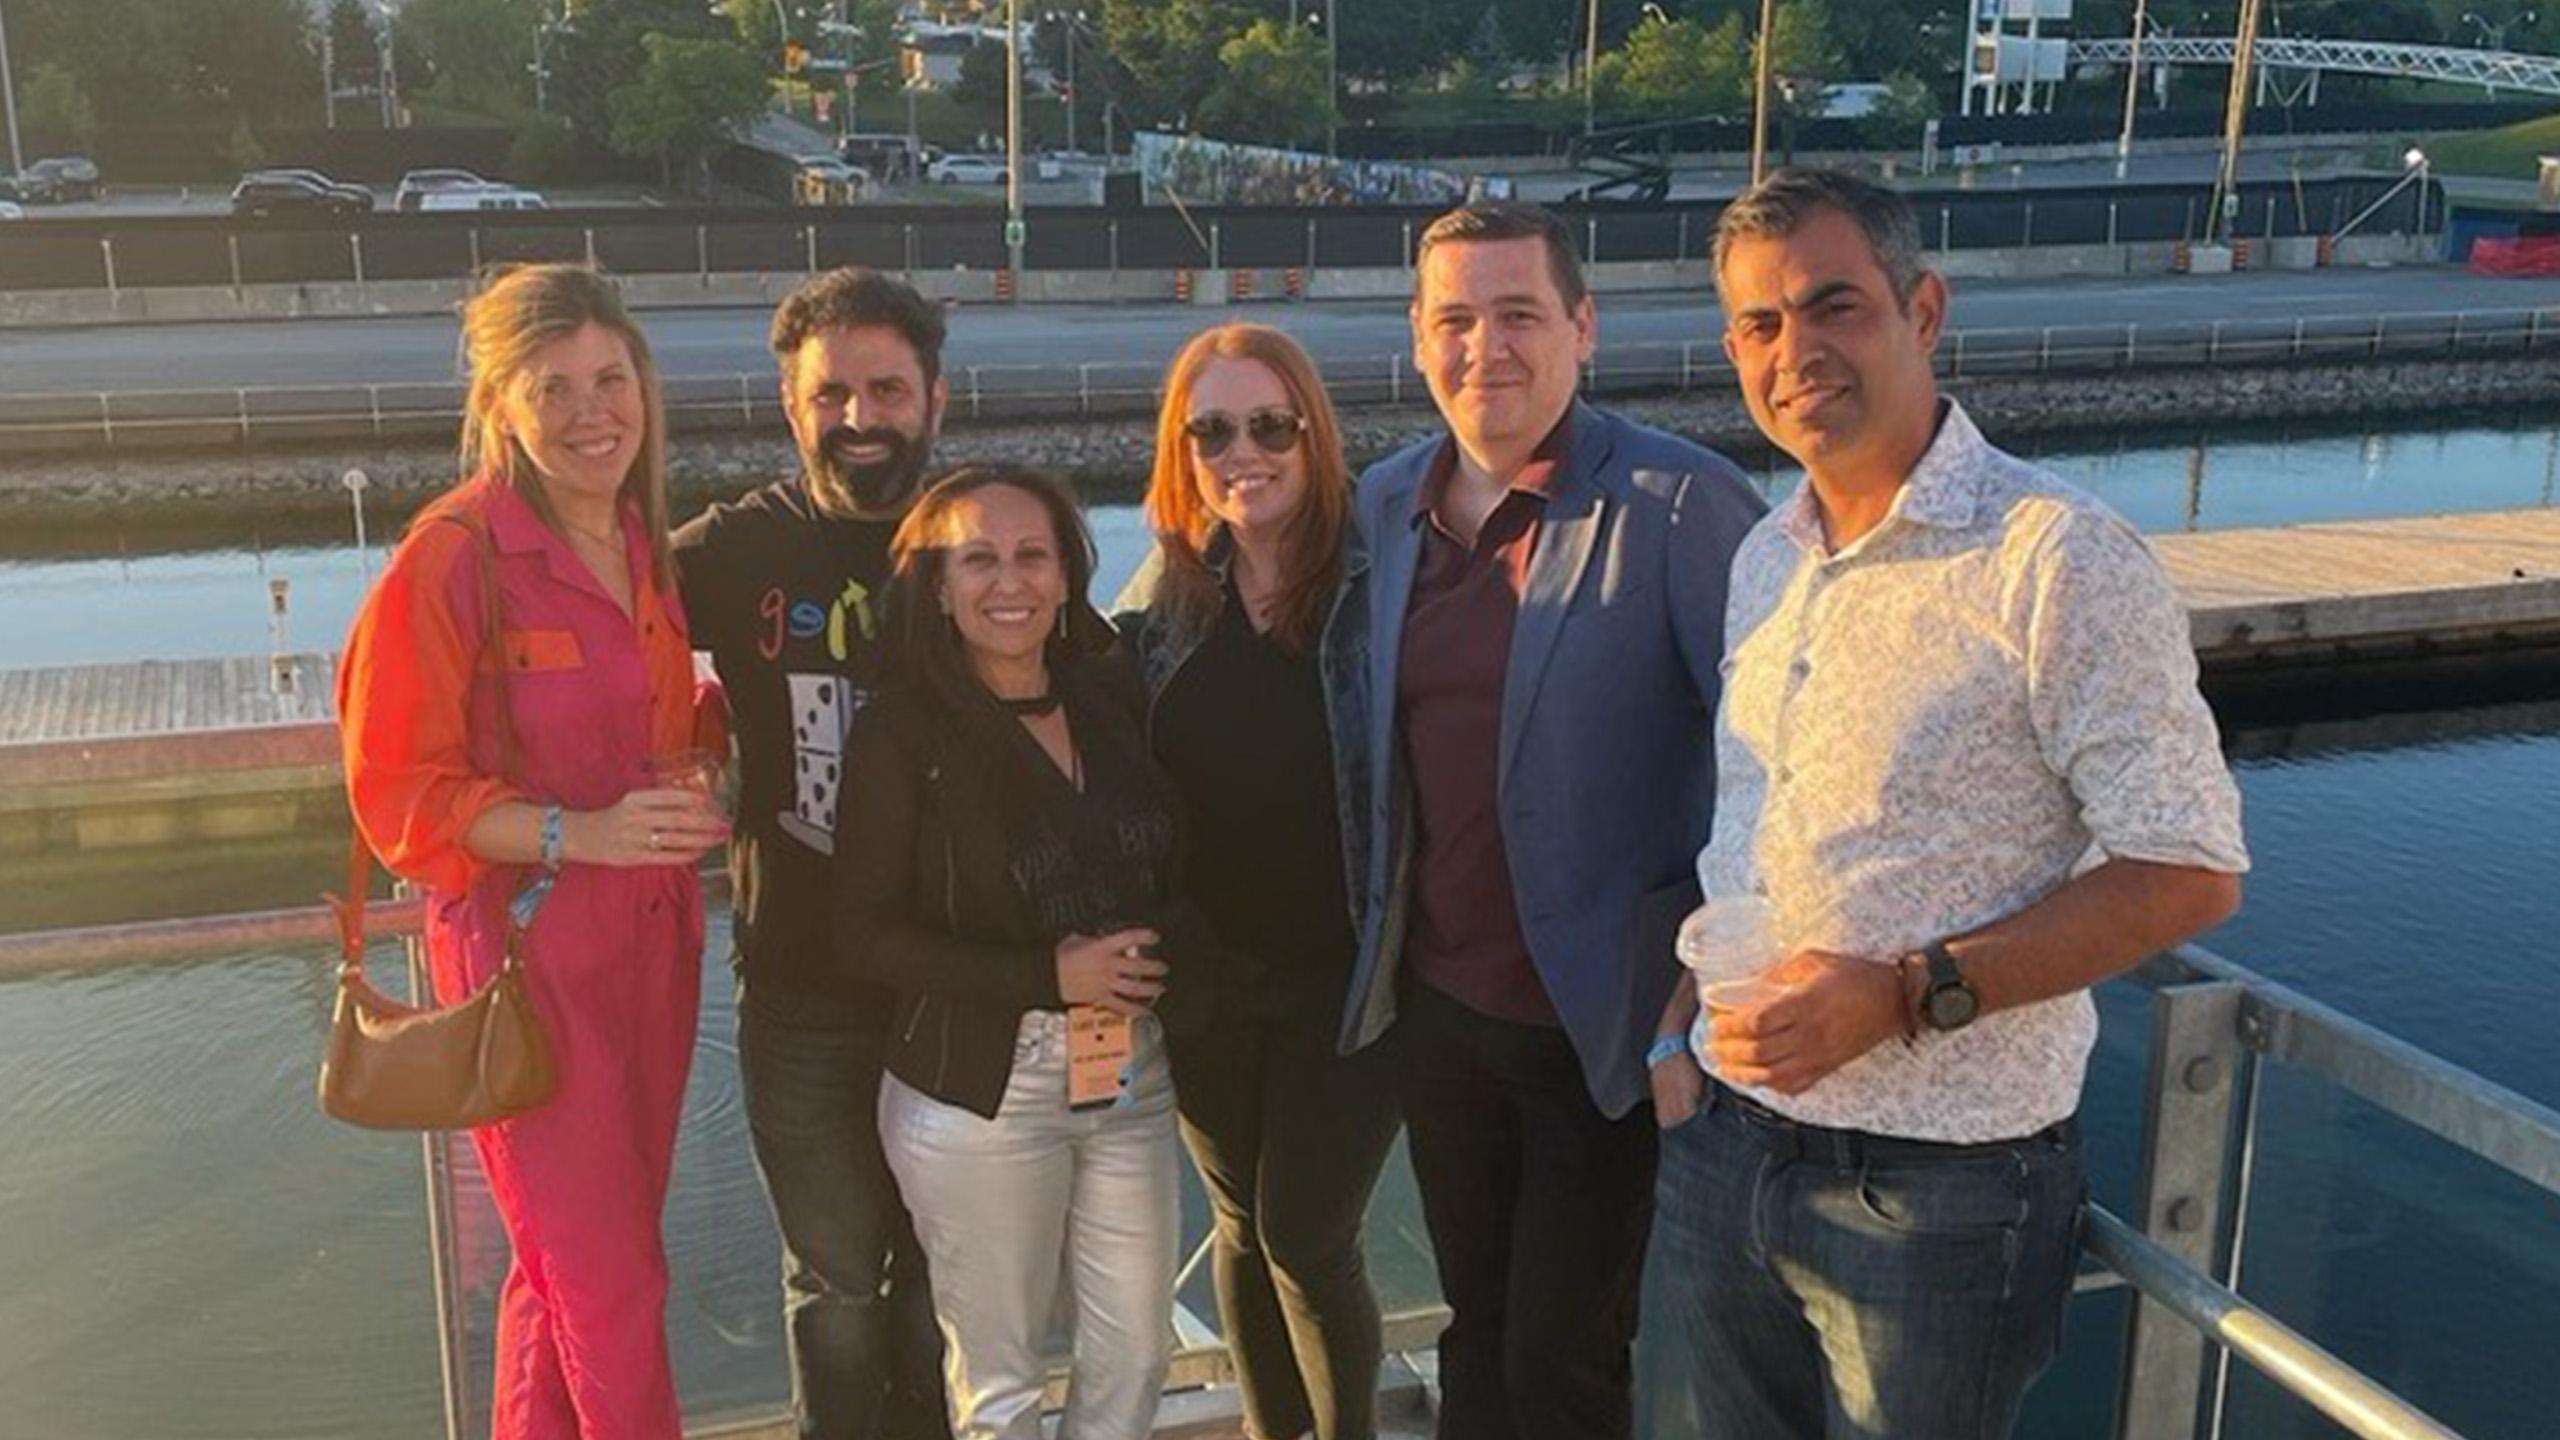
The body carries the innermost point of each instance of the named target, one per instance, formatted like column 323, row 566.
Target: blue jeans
column 1829, row 1285
column 866, row 1359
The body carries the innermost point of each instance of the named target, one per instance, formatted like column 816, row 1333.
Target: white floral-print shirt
column 1990, row 692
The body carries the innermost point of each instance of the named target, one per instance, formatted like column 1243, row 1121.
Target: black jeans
column 1538, row 1207
column 1830, row 1285
column 866, row 1358
column 1289, row 1137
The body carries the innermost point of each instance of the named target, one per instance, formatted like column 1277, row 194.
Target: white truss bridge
column 2497, row 69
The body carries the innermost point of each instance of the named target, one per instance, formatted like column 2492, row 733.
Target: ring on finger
column 653, row 839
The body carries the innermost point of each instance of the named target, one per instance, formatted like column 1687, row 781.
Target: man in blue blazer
column 1547, row 591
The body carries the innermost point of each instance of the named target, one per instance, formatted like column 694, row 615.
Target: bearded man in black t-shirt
column 783, row 587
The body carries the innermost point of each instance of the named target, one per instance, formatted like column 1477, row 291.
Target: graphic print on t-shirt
column 822, row 709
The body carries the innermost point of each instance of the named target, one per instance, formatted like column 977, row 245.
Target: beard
column 873, row 490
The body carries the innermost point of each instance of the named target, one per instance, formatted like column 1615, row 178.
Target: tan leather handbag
column 393, row 1066
column 417, row 1067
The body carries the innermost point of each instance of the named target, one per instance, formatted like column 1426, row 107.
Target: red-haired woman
column 1253, row 642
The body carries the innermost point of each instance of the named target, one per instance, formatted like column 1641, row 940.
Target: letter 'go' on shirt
column 1992, row 691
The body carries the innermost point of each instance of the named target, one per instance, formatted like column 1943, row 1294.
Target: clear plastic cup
column 1729, row 945
column 693, row 769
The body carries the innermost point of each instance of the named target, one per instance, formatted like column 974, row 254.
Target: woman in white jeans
column 1008, row 861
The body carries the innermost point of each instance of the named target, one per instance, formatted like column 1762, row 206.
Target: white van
column 493, row 198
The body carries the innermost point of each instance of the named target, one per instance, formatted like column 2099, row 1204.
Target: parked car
column 11, row 190
column 12, row 210
column 417, row 185
column 61, row 178
column 967, row 170
column 493, row 197
column 357, row 197
column 886, row 156
column 826, row 180
column 276, row 194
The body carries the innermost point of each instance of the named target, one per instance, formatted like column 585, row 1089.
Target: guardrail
column 709, row 404
column 2215, row 1028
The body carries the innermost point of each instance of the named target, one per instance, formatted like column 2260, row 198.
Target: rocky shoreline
column 49, row 497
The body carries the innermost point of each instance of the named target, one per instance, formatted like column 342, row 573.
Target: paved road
column 338, row 352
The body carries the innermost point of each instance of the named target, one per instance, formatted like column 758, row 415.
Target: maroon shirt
column 1466, row 940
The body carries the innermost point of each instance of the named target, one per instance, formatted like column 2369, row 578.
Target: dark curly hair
column 850, row 298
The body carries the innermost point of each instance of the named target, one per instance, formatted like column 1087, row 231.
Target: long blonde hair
column 1311, row 552
column 503, row 328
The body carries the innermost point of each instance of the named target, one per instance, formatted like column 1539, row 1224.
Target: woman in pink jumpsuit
column 566, row 502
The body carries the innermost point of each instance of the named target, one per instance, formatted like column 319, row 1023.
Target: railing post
column 2111, row 223
column 910, row 229
column 2044, row 350
column 435, row 1154
column 809, row 238
column 973, row 392
column 473, row 234
column 2532, row 326
column 2297, row 337
column 588, row 235
column 1957, row 360
column 373, row 403
column 1215, row 246
column 2196, row 1055
column 1946, row 231
column 1685, row 347
column 746, row 405
column 2376, row 347
column 1591, row 240
column 1680, row 250
column 2213, row 345
column 702, row 253
column 355, row 252
column 1408, row 244
column 1084, row 387
column 107, row 251
column 240, row 396
column 2129, row 343
column 235, row 261
column 2456, row 342
column 2027, row 226
column 1112, row 231
column 106, row 418
column 1395, row 378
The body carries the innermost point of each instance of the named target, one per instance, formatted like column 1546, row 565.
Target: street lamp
column 9, row 102
column 1590, row 62
column 2132, row 91
column 1760, row 94
column 2496, row 35
column 1332, row 82
column 1013, row 236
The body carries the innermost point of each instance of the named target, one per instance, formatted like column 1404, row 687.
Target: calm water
column 211, row 599
column 188, row 1250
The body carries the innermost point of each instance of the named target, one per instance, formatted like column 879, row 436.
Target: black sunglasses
column 1273, row 430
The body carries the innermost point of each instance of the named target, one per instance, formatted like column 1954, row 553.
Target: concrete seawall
column 1108, row 456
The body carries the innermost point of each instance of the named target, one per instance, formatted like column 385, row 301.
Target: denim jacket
column 1163, row 643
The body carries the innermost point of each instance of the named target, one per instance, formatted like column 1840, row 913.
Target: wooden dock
column 107, row 756
column 2370, row 588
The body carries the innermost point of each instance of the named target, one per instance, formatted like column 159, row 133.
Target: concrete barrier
column 1215, row 288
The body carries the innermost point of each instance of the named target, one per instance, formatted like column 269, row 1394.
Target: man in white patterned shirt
column 1961, row 752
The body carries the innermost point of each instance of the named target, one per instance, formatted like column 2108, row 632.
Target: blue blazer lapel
column 1566, row 535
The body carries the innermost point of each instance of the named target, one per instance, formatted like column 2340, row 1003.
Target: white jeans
column 998, row 1205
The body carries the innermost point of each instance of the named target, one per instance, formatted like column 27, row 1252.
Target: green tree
column 1801, row 61
column 355, row 44
column 1395, row 41
column 126, row 55
column 481, row 50
column 243, row 148
column 1901, row 113
column 606, row 46
column 686, row 96
column 1681, row 66
column 1274, row 94
column 1166, row 52
column 51, row 102
column 981, row 85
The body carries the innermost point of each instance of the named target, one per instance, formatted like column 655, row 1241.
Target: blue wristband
column 551, row 838
column 1664, row 1047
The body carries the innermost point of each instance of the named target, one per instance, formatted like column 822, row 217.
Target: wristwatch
column 1948, row 1001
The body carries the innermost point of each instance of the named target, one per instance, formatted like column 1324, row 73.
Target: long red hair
column 1311, row 551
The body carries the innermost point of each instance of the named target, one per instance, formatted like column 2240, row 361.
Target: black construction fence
column 1732, row 134
column 107, row 253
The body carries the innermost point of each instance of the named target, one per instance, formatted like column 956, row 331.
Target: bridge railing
column 1121, row 390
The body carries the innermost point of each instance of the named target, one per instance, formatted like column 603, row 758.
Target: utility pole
column 1590, row 63
column 2235, row 117
column 1013, row 236
column 328, row 78
column 390, row 73
column 1332, row 84
column 2132, row 91
column 9, row 102
column 1760, row 92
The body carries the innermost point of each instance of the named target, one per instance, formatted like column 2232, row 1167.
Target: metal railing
column 1101, row 389
column 2215, row 1028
